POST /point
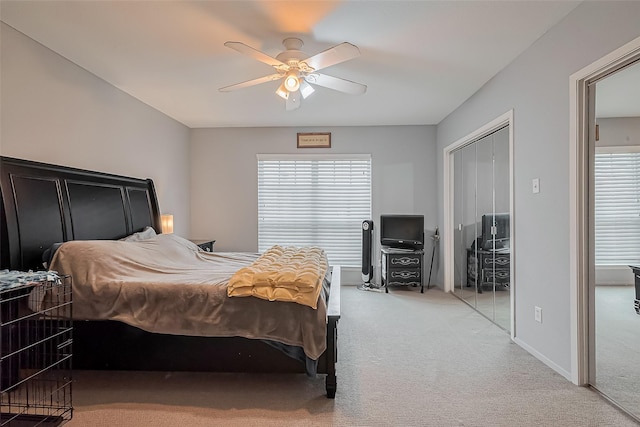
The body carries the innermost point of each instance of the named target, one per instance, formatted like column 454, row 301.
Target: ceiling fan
column 300, row 71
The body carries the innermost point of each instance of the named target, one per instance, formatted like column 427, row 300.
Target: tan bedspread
column 166, row 285
column 292, row 274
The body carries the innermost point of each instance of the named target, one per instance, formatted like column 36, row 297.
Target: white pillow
column 145, row 234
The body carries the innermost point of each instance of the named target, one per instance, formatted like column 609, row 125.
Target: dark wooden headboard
column 43, row 204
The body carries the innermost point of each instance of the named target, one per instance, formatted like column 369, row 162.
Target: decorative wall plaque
column 314, row 140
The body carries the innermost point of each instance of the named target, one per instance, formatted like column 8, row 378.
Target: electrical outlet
column 538, row 315
column 535, row 185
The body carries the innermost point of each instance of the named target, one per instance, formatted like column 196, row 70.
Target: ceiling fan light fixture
column 298, row 71
column 282, row 91
column 292, row 82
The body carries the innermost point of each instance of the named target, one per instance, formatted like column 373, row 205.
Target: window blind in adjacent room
column 314, row 200
column 617, row 208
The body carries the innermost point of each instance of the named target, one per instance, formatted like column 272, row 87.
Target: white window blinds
column 314, row 201
column 617, row 208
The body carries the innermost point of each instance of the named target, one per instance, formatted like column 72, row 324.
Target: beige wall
column 536, row 86
column 224, row 175
column 56, row 112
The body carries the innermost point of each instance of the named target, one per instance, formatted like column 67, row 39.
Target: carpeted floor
column 495, row 306
column 618, row 346
column 405, row 359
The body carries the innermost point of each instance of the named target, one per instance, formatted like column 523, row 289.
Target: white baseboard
column 544, row 359
column 351, row 276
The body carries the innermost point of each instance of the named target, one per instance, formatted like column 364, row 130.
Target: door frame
column 582, row 268
column 505, row 119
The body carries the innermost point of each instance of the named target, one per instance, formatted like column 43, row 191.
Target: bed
column 44, row 205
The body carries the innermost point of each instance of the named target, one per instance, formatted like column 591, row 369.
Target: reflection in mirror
column 459, row 273
column 484, row 236
column 468, row 231
column 502, row 295
column 617, row 238
column 481, row 235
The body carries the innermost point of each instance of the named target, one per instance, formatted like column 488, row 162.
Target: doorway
column 603, row 339
column 478, row 238
column 617, row 238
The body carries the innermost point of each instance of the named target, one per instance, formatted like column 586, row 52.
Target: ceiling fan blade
column 293, row 101
column 306, row 89
column 336, row 83
column 255, row 54
column 253, row 82
column 335, row 55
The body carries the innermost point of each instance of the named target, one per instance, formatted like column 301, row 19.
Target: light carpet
column 618, row 346
column 405, row 359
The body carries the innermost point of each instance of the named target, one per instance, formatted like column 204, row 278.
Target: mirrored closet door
column 615, row 290
column 464, row 219
column 482, row 226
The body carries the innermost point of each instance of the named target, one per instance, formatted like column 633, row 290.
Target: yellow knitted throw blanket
column 292, row 274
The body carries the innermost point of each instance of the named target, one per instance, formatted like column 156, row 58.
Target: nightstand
column 401, row 267
column 205, row 245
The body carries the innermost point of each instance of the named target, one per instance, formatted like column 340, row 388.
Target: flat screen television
column 495, row 231
column 402, row 231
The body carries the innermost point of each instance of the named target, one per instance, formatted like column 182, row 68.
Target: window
column 314, row 200
column 617, row 206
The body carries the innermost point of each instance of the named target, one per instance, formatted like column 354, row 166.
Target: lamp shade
column 167, row 223
column 282, row 91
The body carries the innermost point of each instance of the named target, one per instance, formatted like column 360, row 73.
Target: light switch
column 535, row 185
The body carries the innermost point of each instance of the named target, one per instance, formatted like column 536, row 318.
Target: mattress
column 166, row 284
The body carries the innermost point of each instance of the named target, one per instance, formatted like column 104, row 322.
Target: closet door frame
column 505, row 119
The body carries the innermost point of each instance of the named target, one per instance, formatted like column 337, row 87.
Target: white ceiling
column 419, row 59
